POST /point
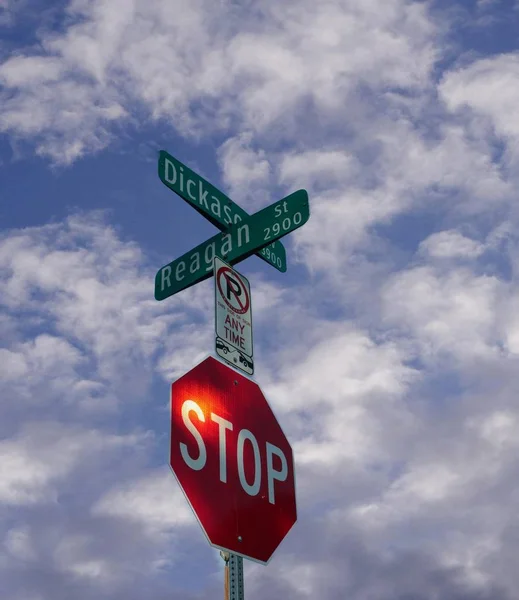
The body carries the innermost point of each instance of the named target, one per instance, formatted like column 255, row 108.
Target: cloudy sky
column 389, row 350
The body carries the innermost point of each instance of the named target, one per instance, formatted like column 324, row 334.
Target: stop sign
column 232, row 460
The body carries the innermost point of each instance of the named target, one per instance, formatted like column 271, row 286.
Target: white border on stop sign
column 282, row 430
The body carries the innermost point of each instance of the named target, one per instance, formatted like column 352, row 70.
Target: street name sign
column 232, row 460
column 234, row 245
column 213, row 204
column 233, row 317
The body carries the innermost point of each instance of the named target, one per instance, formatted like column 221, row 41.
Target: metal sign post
column 236, row 578
column 233, row 576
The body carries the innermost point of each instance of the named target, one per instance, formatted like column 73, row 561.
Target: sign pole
column 233, row 576
column 236, row 591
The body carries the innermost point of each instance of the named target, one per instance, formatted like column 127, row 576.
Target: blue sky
column 389, row 350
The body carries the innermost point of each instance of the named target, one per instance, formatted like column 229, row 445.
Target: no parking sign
column 233, row 317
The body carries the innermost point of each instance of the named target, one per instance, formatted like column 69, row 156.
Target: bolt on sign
column 213, row 204
column 234, row 245
column 233, row 317
column 232, row 460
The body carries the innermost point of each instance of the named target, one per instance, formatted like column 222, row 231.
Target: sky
column 389, row 350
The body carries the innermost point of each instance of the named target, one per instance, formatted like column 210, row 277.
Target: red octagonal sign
column 232, row 460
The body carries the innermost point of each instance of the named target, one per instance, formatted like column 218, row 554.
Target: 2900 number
column 285, row 225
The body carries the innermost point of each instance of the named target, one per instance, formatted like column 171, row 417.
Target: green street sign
column 213, row 204
column 234, row 245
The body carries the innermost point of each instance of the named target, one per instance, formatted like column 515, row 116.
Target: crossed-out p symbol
column 233, row 290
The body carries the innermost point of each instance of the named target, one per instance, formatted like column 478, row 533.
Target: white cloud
column 86, row 283
column 510, row 324
column 244, row 170
column 485, row 93
column 451, row 244
column 154, row 500
column 13, row 364
column 312, row 167
column 490, row 86
column 305, row 57
column 22, row 71
column 340, row 397
column 36, row 460
column 409, row 172
column 19, row 544
column 451, row 315
column 198, row 65
column 498, row 428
